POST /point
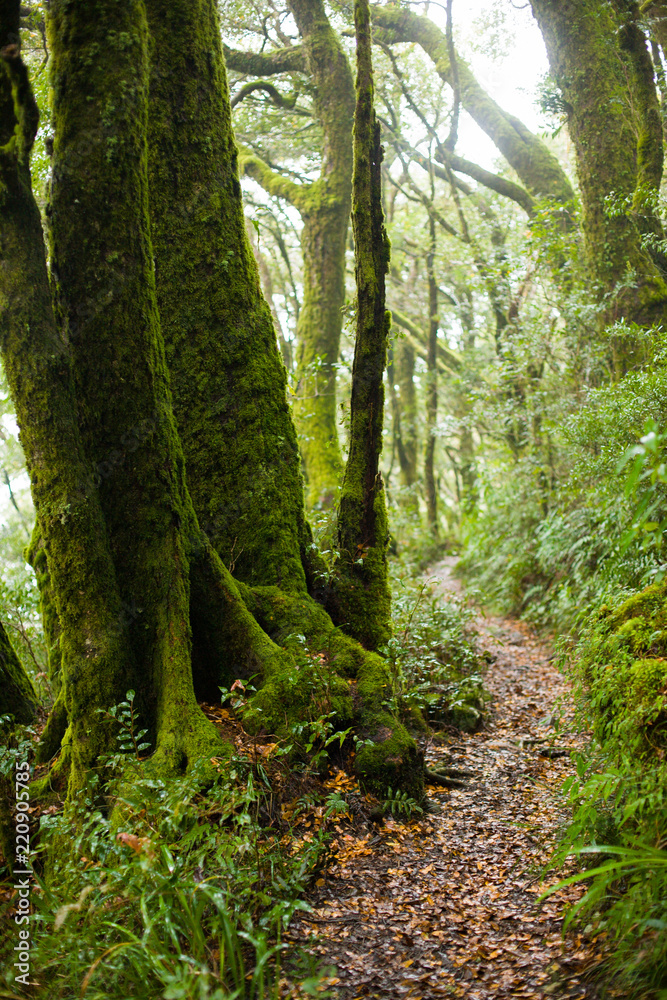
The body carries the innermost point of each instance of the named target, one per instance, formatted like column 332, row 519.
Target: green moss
column 36, row 556
column 534, row 163
column 17, row 695
column 324, row 206
column 321, row 670
column 622, row 667
column 227, row 377
column 648, row 679
column 54, row 731
column 360, row 600
column 393, row 761
column 612, row 105
column 101, row 243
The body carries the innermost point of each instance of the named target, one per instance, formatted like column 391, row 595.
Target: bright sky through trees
column 504, row 47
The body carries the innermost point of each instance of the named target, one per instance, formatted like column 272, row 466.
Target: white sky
column 512, row 77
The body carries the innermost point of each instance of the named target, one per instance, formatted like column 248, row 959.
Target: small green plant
column 646, row 481
column 400, row 804
column 432, row 656
column 130, row 740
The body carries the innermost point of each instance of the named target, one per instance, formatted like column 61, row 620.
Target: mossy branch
column 291, row 60
column 17, row 695
column 449, row 360
column 274, row 94
column 273, row 183
column 18, row 108
column 536, row 166
column 494, row 182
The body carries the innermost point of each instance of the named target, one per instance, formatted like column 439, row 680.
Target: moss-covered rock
column 621, row 665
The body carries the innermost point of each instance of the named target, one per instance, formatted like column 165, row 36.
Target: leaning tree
column 151, row 401
column 600, row 60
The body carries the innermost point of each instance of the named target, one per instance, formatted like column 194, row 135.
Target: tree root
column 445, row 778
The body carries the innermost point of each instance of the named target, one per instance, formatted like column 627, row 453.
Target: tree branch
column 273, row 183
column 494, row 182
column 291, row 60
column 276, row 97
column 537, row 167
column 448, row 360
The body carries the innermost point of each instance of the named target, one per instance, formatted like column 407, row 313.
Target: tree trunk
column 104, row 270
column 403, row 372
column 324, row 206
column 227, row 378
column 600, row 63
column 431, row 387
column 325, row 213
column 318, row 344
column 17, row 695
column 361, row 592
column 38, row 364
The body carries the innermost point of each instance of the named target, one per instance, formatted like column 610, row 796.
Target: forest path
column 447, row 906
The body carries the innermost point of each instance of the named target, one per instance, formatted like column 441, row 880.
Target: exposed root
column 438, row 778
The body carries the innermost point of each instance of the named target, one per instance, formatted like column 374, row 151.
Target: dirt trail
column 447, row 906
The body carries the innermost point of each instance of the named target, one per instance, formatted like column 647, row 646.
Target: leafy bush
column 555, row 551
column 433, row 656
column 618, row 796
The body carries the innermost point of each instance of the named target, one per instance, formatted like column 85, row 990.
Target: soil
column 447, row 904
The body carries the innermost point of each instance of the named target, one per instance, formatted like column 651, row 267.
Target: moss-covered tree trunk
column 227, row 377
column 404, row 404
column 361, row 593
column 38, row 364
column 17, row 695
column 431, row 387
column 325, row 213
column 318, row 345
column 324, row 206
column 599, row 58
column 107, row 310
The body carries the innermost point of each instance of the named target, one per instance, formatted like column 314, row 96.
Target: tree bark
column 324, row 206
column 431, row 387
column 17, row 695
column 599, row 63
column 227, row 377
column 38, row 364
column 103, row 264
column 143, row 599
column 361, row 591
column 325, row 215
column 404, row 366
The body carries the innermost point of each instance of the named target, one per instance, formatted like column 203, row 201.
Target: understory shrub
column 182, row 891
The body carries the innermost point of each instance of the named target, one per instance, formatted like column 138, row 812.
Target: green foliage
column 434, row 663
column 553, row 547
column 619, row 833
column 183, row 892
column 617, row 798
column 124, row 714
column 400, row 804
